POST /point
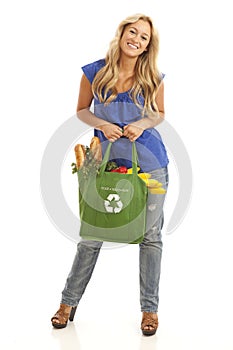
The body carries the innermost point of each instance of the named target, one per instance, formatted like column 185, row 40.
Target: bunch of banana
column 154, row 186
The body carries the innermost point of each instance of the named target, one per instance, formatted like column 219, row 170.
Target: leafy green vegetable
column 111, row 165
column 90, row 165
column 74, row 168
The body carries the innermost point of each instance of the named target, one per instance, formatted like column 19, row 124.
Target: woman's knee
column 90, row 243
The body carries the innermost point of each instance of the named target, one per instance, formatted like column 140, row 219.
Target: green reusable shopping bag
column 112, row 205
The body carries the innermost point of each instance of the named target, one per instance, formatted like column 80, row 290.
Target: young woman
column 128, row 93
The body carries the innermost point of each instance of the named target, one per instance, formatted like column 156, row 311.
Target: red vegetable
column 121, row 169
column 114, row 170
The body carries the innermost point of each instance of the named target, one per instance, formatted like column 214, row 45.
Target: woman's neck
column 126, row 74
column 127, row 65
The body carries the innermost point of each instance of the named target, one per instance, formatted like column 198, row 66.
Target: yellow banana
column 159, row 190
column 152, row 183
column 130, row 170
column 156, row 185
column 144, row 176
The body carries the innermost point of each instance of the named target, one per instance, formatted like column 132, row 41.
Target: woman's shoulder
column 162, row 75
column 92, row 68
column 97, row 64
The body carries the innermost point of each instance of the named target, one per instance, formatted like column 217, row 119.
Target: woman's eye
column 144, row 38
column 132, row 31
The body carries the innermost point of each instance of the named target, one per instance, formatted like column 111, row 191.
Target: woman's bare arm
column 111, row 131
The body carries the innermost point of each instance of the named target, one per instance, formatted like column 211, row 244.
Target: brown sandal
column 149, row 319
column 61, row 317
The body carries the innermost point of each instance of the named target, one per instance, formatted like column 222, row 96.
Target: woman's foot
column 149, row 323
column 61, row 317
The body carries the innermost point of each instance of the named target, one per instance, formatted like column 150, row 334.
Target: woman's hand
column 111, row 131
column 132, row 132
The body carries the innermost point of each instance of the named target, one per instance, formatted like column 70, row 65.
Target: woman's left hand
column 132, row 132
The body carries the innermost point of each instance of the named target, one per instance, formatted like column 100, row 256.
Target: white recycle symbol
column 118, row 205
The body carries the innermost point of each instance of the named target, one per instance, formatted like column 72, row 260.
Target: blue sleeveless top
column 122, row 111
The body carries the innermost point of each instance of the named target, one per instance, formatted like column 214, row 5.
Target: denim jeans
column 150, row 253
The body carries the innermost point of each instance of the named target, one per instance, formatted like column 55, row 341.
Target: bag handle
column 107, row 155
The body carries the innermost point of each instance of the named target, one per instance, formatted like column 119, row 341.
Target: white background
column 43, row 46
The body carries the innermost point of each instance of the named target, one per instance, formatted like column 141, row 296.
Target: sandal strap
column 62, row 315
column 149, row 319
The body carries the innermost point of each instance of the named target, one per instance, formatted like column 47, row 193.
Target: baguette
column 80, row 155
column 96, row 148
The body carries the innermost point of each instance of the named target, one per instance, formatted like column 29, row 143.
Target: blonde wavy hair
column 147, row 77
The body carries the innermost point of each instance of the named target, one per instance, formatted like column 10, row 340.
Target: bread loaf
column 79, row 154
column 96, row 148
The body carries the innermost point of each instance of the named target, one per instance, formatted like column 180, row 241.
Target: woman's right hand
column 111, row 131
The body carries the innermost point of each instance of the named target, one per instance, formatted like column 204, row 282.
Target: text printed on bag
column 114, row 189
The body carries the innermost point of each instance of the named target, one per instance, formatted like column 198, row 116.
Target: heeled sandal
column 61, row 317
column 149, row 319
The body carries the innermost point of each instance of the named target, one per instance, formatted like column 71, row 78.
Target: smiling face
column 135, row 38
